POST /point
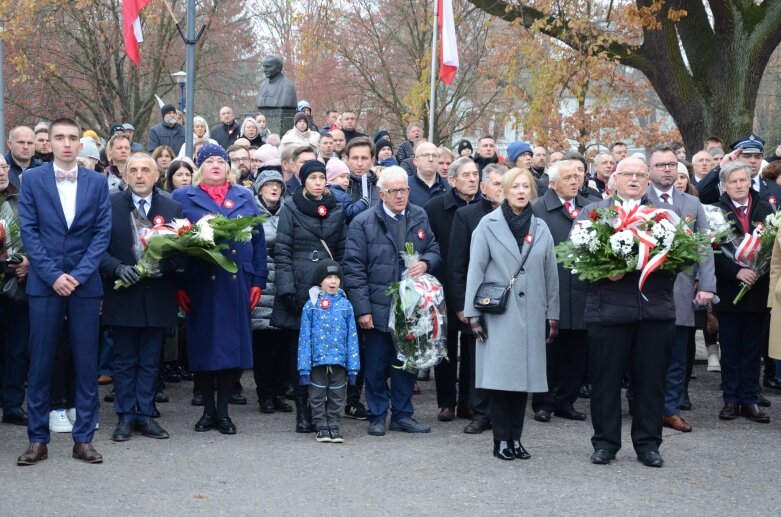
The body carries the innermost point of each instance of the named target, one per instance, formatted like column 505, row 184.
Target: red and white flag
column 131, row 27
column 448, row 56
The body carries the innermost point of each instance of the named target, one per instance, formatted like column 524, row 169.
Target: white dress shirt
column 147, row 202
column 67, row 191
column 668, row 192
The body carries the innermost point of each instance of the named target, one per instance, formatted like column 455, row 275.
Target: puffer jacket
column 261, row 315
column 296, row 253
column 328, row 334
column 295, row 138
column 372, row 262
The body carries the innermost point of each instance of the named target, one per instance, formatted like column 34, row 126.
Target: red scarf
column 218, row 194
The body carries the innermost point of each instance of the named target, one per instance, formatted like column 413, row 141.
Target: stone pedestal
column 279, row 120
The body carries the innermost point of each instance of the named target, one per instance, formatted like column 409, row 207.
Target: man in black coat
column 227, row 131
column 168, row 132
column 441, row 210
column 138, row 314
column 566, row 361
column 464, row 223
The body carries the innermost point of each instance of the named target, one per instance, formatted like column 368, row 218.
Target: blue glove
column 304, row 380
column 352, row 379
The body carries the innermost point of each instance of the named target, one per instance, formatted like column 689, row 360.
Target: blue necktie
column 141, row 208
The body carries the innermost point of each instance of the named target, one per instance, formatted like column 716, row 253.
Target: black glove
column 127, row 274
column 478, row 331
column 289, row 301
column 176, row 262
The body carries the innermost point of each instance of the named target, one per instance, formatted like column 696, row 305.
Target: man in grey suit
column 663, row 170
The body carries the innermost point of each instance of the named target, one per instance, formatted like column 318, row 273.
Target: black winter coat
column 356, row 188
column 161, row 134
column 708, row 189
column 225, row 135
column 464, row 223
column 150, row 302
column 296, row 253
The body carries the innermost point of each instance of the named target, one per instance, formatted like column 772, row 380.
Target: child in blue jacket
column 328, row 351
column 337, row 176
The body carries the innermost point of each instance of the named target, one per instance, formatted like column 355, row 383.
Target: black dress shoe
column 15, row 416
column 602, row 457
column 570, row 414
column 477, row 426
column 770, row 382
column 123, row 432
column 290, row 393
column 519, row 451
column 170, row 374
column 752, row 412
column 503, row 451
column 161, row 396
column 197, row 399
column 542, row 415
column 584, row 392
column 109, row 396
column 225, row 425
column 206, row 423
column 762, row 401
column 281, row 405
column 151, row 429
column 183, row 372
column 155, row 411
column 238, row 399
column 650, row 459
column 729, row 411
column 266, row 406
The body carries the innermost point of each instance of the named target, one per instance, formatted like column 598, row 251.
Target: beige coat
column 774, row 301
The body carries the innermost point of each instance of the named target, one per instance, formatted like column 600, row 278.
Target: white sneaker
column 71, row 412
column 58, row 422
column 713, row 358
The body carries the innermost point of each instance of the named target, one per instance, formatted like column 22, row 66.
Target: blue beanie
column 515, row 149
column 308, row 168
column 209, row 150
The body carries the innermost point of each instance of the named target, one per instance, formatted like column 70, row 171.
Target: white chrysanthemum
column 204, row 231
column 582, row 233
column 773, row 219
column 622, row 242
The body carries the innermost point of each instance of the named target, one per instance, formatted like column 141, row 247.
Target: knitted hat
column 266, row 153
column 326, row 268
column 682, row 169
column 381, row 134
column 207, row 151
column 89, row 149
column 128, row 127
column 90, row 134
column 381, row 144
column 115, row 128
column 464, row 144
column 266, row 176
column 515, row 149
column 301, row 116
column 302, row 104
column 308, row 168
column 167, row 108
column 335, row 168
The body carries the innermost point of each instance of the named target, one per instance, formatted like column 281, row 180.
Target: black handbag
column 491, row 297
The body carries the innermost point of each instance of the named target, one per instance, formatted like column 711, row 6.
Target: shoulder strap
column 523, row 260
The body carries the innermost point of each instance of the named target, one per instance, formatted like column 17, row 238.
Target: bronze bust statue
column 277, row 91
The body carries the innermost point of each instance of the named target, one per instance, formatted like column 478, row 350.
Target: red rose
column 593, row 215
column 660, row 217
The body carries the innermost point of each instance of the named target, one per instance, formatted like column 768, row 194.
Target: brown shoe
column 465, row 412
column 446, row 414
column 86, row 452
column 34, row 453
column 752, row 412
column 677, row 423
column 729, row 411
column 104, row 379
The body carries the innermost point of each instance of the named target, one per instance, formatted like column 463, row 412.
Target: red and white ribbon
column 749, row 246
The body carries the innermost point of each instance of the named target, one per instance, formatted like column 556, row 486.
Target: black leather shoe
column 185, row 374
column 225, row 425
column 15, row 416
column 650, row 459
column 602, row 457
column 477, row 426
column 155, row 411
column 503, row 451
column 206, row 423
column 542, row 415
column 570, row 414
column 729, row 411
column 281, row 405
column 151, row 429
column 752, row 412
column 584, row 392
column 161, row 396
column 519, row 451
column 770, row 382
column 109, row 397
column 197, row 399
column 170, row 374
column 762, row 401
column 266, row 406
column 123, row 431
column 238, row 399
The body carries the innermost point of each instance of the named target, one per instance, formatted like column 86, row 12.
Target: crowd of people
column 307, row 309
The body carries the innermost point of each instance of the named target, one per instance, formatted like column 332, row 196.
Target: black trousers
column 642, row 348
column 478, row 398
column 270, row 355
column 566, row 366
column 744, row 337
column 508, row 409
column 456, row 368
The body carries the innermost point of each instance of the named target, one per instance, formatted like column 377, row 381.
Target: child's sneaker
column 323, row 436
column 336, row 436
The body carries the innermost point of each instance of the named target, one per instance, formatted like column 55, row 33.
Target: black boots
column 503, row 450
column 303, row 415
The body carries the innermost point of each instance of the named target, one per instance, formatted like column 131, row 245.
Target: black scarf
column 519, row 224
column 311, row 207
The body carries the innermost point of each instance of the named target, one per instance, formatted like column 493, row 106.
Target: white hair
column 394, row 172
column 554, row 170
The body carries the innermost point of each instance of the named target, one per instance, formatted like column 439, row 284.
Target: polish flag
column 448, row 58
column 131, row 27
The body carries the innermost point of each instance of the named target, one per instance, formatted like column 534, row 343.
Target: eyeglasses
column 637, row 175
column 240, row 159
column 663, row 166
column 396, row 191
column 428, row 156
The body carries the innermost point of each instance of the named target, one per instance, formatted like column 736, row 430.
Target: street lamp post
column 181, row 79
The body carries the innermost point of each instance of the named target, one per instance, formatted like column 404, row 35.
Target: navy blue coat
column 371, row 261
column 218, row 326
column 150, row 302
column 52, row 247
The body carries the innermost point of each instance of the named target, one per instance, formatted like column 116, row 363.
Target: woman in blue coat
column 218, row 303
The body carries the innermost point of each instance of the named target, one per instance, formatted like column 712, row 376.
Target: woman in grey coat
column 510, row 358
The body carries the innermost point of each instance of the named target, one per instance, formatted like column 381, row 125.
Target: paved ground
column 722, row 468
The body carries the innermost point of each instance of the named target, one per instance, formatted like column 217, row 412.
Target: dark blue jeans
column 380, row 364
column 676, row 372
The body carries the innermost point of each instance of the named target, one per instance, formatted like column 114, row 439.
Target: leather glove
column 477, row 329
column 289, row 301
column 183, row 300
column 303, row 380
column 553, row 331
column 127, row 274
column 352, row 379
column 176, row 262
column 254, row 297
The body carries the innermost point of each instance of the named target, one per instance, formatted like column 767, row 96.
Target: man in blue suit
column 65, row 219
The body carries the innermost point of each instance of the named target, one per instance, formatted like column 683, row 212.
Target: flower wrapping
column 418, row 320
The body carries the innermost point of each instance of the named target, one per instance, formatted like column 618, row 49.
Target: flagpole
column 189, row 93
column 432, row 94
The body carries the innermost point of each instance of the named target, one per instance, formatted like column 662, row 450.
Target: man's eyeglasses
column 636, row 175
column 396, row 191
column 428, row 156
column 663, row 166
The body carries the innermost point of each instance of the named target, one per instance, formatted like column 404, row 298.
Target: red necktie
column 666, row 198
column 568, row 207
